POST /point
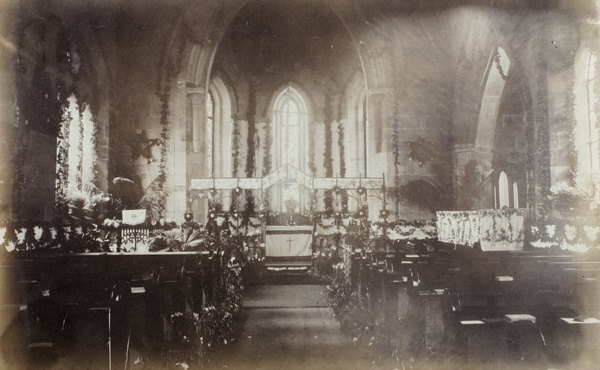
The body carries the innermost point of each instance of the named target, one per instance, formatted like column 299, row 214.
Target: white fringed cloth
column 496, row 229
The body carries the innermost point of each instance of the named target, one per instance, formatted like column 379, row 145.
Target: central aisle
column 290, row 327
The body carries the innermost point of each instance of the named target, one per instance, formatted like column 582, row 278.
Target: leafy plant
column 573, row 199
column 154, row 198
column 470, row 186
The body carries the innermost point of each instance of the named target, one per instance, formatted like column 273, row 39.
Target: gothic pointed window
column 503, row 200
column 290, row 121
column 290, row 141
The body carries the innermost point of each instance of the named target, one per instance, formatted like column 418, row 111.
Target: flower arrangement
column 198, row 334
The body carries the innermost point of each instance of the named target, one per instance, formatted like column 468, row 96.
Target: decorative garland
column 569, row 119
column 236, row 147
column 341, row 149
column 421, row 150
column 268, row 142
column 62, row 165
column 499, row 67
column 250, row 159
column 78, row 177
column 396, row 153
column 542, row 152
column 173, row 66
column 328, row 155
column 95, row 141
column 164, row 136
column 311, row 148
column 529, row 164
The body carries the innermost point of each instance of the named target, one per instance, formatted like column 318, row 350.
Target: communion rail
column 483, row 306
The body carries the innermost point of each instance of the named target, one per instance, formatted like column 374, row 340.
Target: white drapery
column 288, row 241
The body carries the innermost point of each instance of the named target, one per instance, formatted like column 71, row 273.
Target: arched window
column 515, row 195
column 290, row 146
column 219, row 129
column 503, row 199
column 75, row 150
column 290, row 116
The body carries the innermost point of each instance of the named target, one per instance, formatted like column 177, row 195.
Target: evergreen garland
column 343, row 193
column 529, row 163
column 396, row 152
column 311, row 148
column 341, row 149
column 498, row 66
column 328, row 155
column 173, row 66
column 164, row 136
column 78, row 177
column 542, row 151
column 268, row 142
column 94, row 135
column 250, row 159
column 62, row 165
column 236, row 147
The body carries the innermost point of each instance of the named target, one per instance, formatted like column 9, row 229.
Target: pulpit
column 289, row 241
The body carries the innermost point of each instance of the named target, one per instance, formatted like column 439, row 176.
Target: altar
column 288, row 241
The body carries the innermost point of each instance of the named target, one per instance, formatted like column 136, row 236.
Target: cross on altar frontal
column 290, row 241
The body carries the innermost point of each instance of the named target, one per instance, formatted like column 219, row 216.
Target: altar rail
column 521, row 307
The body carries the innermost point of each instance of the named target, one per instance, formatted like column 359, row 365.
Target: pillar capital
column 196, row 95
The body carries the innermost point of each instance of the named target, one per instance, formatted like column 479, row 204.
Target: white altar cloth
column 288, row 241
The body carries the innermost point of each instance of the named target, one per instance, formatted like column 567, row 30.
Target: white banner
column 134, row 216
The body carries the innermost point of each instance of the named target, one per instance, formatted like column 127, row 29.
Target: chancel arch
column 497, row 72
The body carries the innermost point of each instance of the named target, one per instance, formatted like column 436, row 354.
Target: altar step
column 288, row 270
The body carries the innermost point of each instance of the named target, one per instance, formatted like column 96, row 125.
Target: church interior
column 419, row 177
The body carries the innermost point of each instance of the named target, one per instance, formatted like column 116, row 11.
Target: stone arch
column 497, row 72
